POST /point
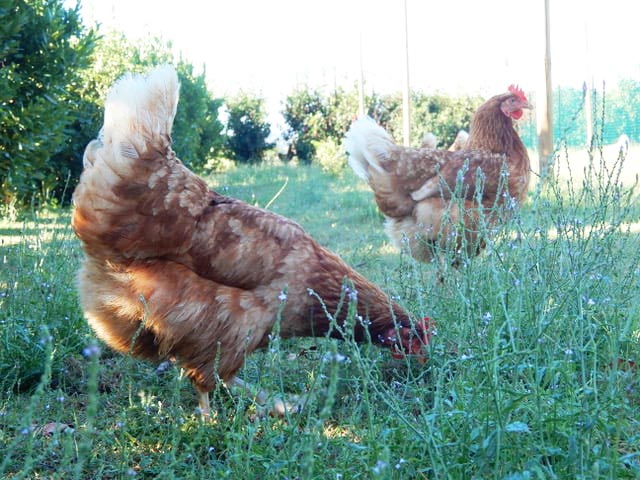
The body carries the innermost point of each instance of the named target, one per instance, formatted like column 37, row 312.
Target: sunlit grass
column 532, row 373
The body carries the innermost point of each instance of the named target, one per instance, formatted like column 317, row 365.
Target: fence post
column 545, row 103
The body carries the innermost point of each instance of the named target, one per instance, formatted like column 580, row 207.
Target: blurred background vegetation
column 55, row 71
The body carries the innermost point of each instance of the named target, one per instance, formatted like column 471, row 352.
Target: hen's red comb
column 517, row 91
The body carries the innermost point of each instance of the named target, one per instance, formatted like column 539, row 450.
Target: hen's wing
column 169, row 213
column 401, row 176
column 465, row 173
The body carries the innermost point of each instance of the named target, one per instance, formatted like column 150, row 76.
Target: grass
column 532, row 374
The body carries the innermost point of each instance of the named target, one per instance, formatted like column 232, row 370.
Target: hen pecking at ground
column 174, row 270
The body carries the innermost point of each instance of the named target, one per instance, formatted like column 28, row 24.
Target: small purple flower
column 379, row 467
column 91, row 351
column 400, row 462
column 353, row 295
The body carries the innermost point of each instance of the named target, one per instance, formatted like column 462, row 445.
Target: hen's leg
column 203, row 404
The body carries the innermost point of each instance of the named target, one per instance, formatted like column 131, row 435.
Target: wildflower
column 335, row 357
column 487, row 317
column 282, row 297
column 400, row 462
column 379, row 467
column 568, row 351
column 131, row 472
column 60, row 398
column 91, row 351
column 353, row 295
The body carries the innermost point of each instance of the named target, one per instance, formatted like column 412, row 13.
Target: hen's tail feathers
column 139, row 110
column 368, row 144
column 460, row 141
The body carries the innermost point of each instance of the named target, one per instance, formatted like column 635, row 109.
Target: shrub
column 43, row 48
column 330, row 156
column 247, row 129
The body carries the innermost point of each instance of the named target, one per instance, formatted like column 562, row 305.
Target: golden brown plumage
column 174, row 270
column 415, row 187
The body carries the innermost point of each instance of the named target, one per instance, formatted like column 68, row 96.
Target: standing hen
column 415, row 187
column 174, row 270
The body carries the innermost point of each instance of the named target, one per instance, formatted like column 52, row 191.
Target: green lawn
column 532, row 373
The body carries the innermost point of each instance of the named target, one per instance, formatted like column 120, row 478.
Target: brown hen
column 174, row 270
column 427, row 194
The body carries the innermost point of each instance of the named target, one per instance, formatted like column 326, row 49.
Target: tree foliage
column 247, row 128
column 43, row 48
column 313, row 117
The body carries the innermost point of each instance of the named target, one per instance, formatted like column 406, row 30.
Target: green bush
column 247, row 129
column 330, row 156
column 43, row 47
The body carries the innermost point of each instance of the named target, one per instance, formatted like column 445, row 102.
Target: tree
column 43, row 47
column 247, row 129
column 304, row 112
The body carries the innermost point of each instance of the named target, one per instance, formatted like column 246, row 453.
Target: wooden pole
column 588, row 89
column 361, row 84
column 545, row 103
column 406, row 99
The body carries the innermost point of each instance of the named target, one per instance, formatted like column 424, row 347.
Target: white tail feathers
column 367, row 144
column 429, row 140
column 140, row 108
column 460, row 141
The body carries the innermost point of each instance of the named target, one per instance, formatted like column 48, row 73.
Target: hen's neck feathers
column 493, row 131
column 376, row 311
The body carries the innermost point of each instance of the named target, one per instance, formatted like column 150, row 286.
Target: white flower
column 379, row 467
column 400, row 462
column 282, row 297
column 91, row 351
column 334, row 357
